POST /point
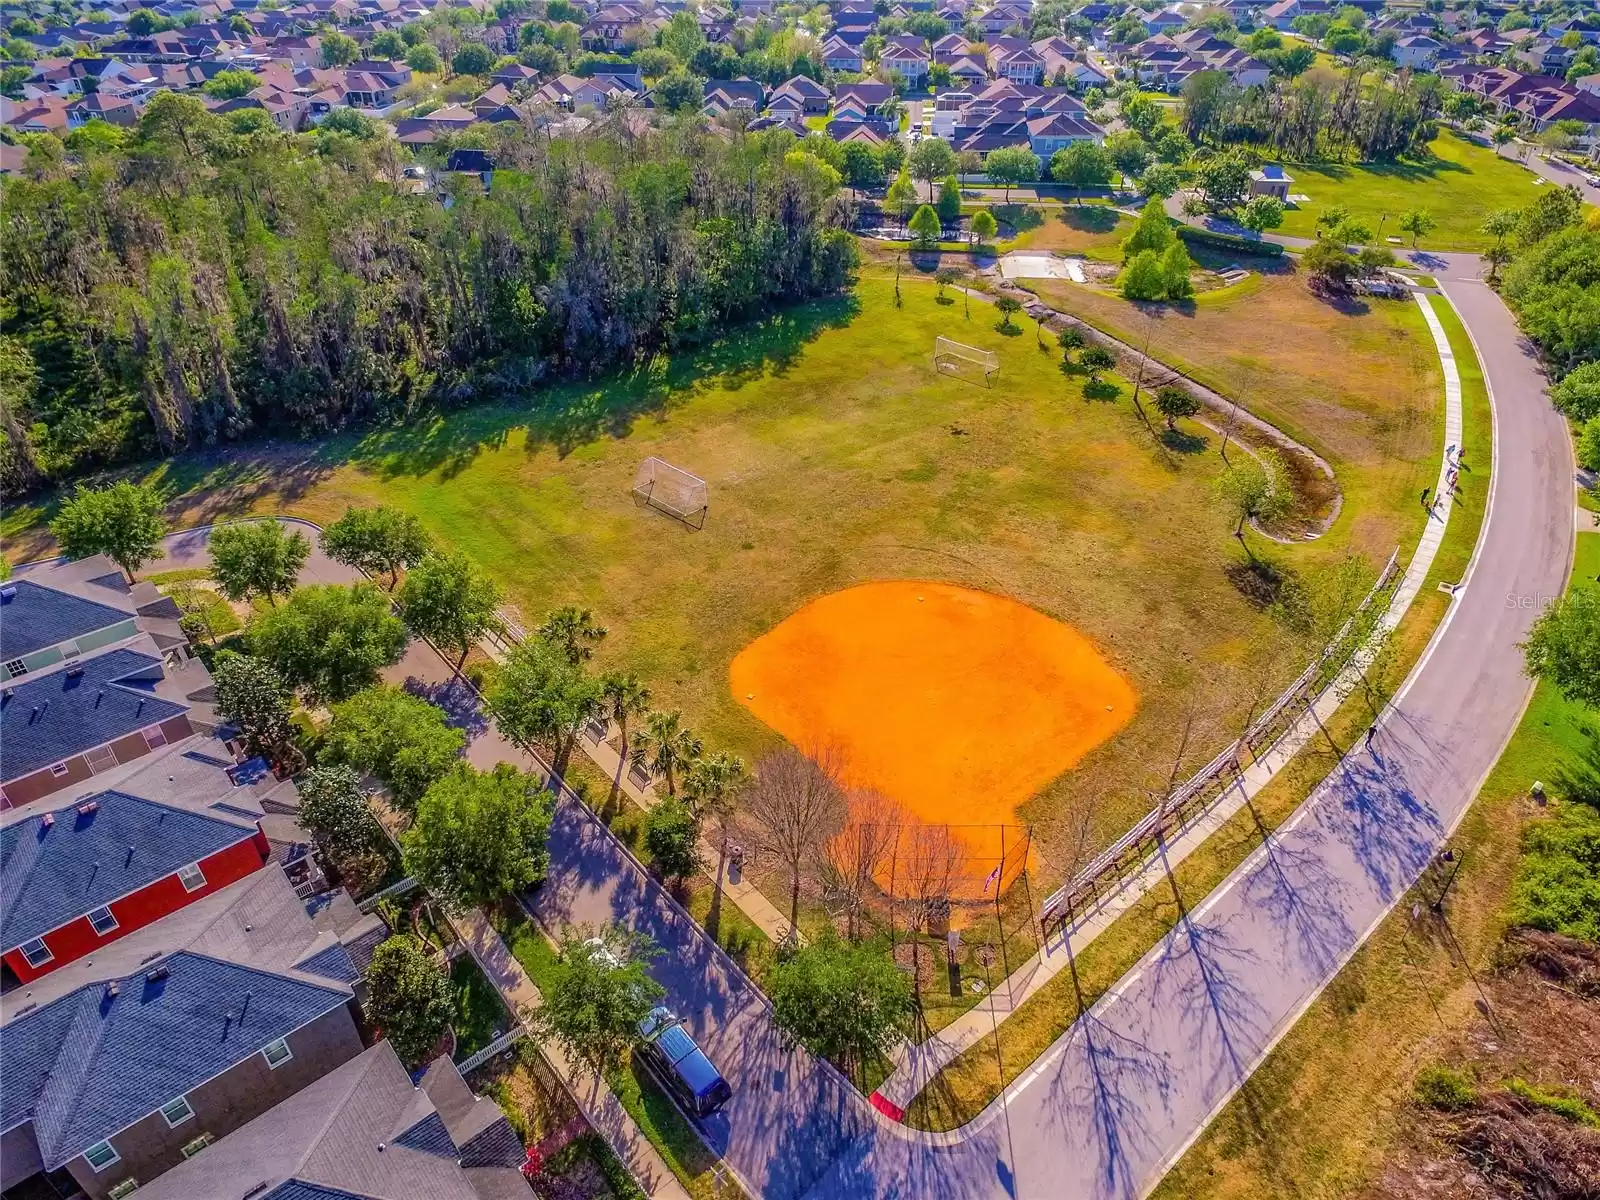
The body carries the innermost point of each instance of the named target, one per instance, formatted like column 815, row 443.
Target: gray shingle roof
column 47, row 718
column 36, row 617
column 361, row 1132
column 54, row 873
column 91, row 1063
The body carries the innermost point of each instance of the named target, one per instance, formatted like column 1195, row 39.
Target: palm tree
column 621, row 697
column 574, row 630
column 711, row 787
column 664, row 746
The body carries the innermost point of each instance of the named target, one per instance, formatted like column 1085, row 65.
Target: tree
column 679, row 91
column 623, row 697
column 1328, row 262
column 796, row 801
column 424, row 59
column 1153, row 232
column 1578, row 393
column 1255, row 489
column 480, row 836
column 329, row 640
column 253, row 698
column 847, row 1003
column 1418, row 222
column 1589, row 445
column 1175, row 402
column 672, row 837
column 598, row 993
column 711, row 787
column 540, row 695
column 334, row 810
column 926, row 226
column 1009, row 306
column 1175, row 268
column 1262, row 213
column 1563, row 647
column 950, row 201
column 931, row 159
column 900, row 197
column 1011, row 166
column 230, row 84
column 257, row 558
column 377, row 541
column 1143, row 277
column 944, row 277
column 1079, row 165
column 409, row 998
column 402, row 739
column 665, row 747
column 855, row 858
column 473, row 58
column 1223, row 178
column 447, row 600
column 1161, row 179
column 339, row 49
column 574, row 632
column 1096, row 359
column 1128, row 153
column 124, row 522
column 1070, row 338
column 984, row 226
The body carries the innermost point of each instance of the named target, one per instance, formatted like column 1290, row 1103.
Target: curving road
column 1119, row 1097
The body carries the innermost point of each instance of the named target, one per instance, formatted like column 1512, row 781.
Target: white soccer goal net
column 672, row 490
column 951, row 357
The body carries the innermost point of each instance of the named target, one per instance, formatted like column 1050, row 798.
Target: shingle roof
column 92, row 1062
column 324, row 1142
column 52, row 873
column 36, row 617
column 46, row 718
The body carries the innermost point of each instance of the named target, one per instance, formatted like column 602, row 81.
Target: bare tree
column 855, row 857
column 929, row 860
column 797, row 801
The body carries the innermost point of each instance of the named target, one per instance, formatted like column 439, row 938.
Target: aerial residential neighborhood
column 957, row 599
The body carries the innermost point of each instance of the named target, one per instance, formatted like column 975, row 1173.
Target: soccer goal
column 672, row 490
column 957, row 358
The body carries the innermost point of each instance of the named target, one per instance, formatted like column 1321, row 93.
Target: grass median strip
column 962, row 1090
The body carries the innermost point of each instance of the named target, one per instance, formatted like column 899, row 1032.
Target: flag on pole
column 991, row 878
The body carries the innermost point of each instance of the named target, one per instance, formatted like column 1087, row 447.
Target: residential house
column 909, row 57
column 1281, row 15
column 1017, row 64
column 811, row 95
column 1538, row 100
column 723, row 95
column 1418, row 52
column 1542, row 56
column 1168, row 20
column 949, row 48
column 1003, row 17
column 969, row 71
column 1063, row 65
column 82, row 874
column 365, row 1131
column 871, row 94
column 120, row 1066
column 840, row 55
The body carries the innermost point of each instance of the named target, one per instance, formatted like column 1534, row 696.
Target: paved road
column 1556, row 171
column 1119, row 1097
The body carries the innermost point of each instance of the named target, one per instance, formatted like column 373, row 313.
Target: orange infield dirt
column 956, row 703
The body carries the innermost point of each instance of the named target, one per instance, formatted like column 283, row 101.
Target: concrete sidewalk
column 597, row 1102
column 916, row 1065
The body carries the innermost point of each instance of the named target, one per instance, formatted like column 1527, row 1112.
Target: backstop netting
column 672, row 490
column 951, row 357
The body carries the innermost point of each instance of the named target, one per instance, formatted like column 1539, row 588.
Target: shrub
column 1446, row 1090
column 1578, row 394
column 1232, row 243
column 1571, row 1108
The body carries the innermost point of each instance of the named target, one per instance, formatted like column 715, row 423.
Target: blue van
column 680, row 1065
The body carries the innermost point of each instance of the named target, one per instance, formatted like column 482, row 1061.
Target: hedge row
column 1229, row 241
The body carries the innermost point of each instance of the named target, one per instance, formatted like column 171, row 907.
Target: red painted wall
column 144, row 907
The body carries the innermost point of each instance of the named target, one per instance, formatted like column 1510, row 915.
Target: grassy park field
column 1460, row 185
column 836, row 456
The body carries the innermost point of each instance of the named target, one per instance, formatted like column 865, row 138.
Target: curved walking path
column 916, row 1066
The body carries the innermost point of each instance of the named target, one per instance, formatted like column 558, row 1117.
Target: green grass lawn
column 1318, row 1116
column 480, row 1013
column 1460, row 185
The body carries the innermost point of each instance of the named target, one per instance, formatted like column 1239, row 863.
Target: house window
column 101, row 1155
column 103, row 921
column 101, row 758
column 58, row 770
column 127, row 1187
column 15, row 668
column 199, row 1144
column 192, row 877
column 176, row 1112
column 154, row 737
column 277, row 1053
column 36, row 952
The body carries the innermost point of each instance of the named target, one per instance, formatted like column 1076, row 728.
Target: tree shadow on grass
column 1181, row 442
column 1089, row 218
column 1018, row 218
column 566, row 416
column 1102, row 390
column 1262, row 582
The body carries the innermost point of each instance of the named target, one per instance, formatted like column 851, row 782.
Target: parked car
column 681, row 1066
